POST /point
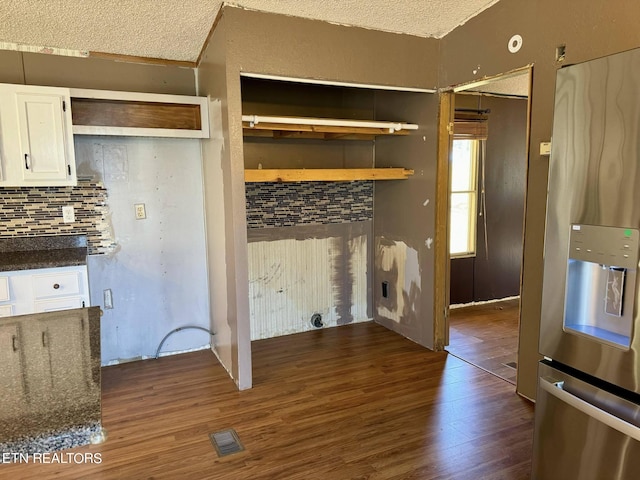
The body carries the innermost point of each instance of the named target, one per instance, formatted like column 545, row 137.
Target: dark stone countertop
column 41, row 397
column 27, row 253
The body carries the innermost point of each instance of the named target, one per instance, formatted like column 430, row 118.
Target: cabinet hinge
column 64, row 106
column 450, row 128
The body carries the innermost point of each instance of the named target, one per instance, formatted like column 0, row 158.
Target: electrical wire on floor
column 177, row 330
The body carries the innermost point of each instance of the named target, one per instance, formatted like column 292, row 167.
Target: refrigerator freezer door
column 590, row 314
column 583, row 432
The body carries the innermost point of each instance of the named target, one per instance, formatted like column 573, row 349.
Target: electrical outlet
column 141, row 212
column 68, row 214
column 108, row 299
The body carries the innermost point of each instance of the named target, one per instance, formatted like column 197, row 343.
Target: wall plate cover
column 141, row 211
column 545, row 148
column 108, row 298
column 68, row 214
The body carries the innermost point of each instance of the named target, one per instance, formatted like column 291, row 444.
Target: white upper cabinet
column 36, row 137
column 42, row 139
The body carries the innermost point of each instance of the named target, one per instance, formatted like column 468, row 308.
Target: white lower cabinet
column 43, row 290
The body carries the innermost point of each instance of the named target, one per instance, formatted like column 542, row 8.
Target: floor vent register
column 226, row 442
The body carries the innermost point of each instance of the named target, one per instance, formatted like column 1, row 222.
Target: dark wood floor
column 353, row 402
column 486, row 335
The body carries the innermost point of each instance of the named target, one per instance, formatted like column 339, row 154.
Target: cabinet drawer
column 4, row 289
column 56, row 285
column 53, row 305
column 6, row 310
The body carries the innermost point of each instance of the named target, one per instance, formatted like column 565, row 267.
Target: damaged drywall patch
column 217, row 217
column 342, row 278
column 398, row 265
column 108, row 164
column 156, row 273
column 323, row 270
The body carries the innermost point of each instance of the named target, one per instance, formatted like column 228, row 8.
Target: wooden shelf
column 325, row 174
column 320, row 128
column 103, row 112
column 328, row 129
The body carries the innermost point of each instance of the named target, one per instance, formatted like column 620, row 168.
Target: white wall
column 157, row 269
column 213, row 169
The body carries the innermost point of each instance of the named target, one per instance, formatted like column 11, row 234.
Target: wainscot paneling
column 297, row 272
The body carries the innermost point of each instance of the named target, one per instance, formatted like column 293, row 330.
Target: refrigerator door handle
column 557, row 390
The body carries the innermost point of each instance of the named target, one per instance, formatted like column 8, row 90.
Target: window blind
column 471, row 124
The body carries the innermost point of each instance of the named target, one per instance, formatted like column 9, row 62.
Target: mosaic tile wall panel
column 308, row 203
column 37, row 211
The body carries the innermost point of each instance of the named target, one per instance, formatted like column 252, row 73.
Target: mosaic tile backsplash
column 308, row 203
column 37, row 211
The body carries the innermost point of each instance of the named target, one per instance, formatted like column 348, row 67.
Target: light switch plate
column 545, row 148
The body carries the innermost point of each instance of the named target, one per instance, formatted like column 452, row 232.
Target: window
column 464, row 181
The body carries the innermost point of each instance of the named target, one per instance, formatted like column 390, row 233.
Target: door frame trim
column 441, row 253
column 442, row 257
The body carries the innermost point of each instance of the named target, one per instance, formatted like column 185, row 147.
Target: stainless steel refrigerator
column 587, row 414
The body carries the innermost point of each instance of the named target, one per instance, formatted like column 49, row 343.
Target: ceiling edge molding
column 116, row 57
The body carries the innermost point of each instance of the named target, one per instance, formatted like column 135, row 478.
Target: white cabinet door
column 36, row 136
column 42, row 139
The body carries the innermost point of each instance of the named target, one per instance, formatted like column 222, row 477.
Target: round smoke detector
column 515, row 43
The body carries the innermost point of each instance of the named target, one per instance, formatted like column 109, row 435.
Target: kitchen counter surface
column 50, row 391
column 27, row 253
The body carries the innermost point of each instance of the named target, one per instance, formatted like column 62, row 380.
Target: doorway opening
column 488, row 160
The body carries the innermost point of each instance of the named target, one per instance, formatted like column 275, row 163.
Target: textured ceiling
column 517, row 85
column 177, row 29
